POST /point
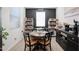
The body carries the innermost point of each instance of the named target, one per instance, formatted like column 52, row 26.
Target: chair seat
column 46, row 42
column 32, row 41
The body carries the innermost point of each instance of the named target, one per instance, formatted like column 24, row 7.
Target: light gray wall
column 71, row 13
column 67, row 14
column 15, row 35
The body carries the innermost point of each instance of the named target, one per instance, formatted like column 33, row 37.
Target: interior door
column 0, row 33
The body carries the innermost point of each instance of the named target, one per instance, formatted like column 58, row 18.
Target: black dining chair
column 46, row 40
column 29, row 41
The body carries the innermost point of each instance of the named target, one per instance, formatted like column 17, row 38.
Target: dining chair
column 46, row 40
column 29, row 41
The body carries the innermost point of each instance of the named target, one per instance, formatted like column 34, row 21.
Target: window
column 40, row 18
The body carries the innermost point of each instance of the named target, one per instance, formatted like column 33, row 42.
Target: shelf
column 52, row 23
column 28, row 24
column 52, row 20
column 28, row 20
column 28, row 29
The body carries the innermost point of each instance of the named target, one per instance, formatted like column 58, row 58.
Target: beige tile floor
column 20, row 46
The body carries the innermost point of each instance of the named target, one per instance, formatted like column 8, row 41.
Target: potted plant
column 4, row 34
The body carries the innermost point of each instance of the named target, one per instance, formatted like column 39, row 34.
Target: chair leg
column 25, row 48
column 44, row 44
column 29, row 48
column 50, row 46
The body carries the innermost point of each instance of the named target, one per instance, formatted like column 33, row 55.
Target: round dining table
column 38, row 35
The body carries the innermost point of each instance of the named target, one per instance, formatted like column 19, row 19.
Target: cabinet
column 67, row 41
column 61, row 39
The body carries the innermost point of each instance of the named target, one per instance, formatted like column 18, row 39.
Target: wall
column 15, row 35
column 67, row 14
column 60, row 14
column 50, row 13
column 70, row 14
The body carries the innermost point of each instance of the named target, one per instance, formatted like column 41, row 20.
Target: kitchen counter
column 67, row 40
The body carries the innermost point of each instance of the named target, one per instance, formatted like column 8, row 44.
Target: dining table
column 38, row 35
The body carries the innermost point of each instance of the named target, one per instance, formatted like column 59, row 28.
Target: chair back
column 49, row 34
column 26, row 35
